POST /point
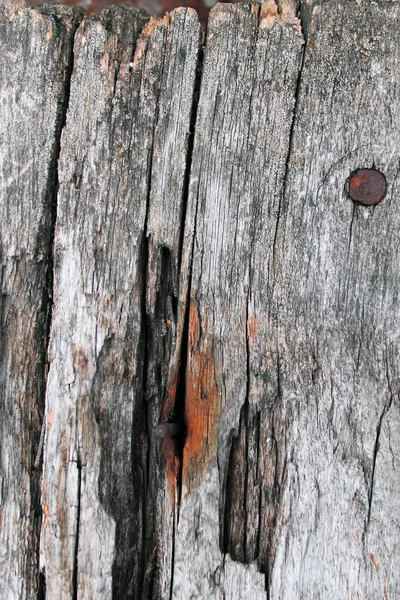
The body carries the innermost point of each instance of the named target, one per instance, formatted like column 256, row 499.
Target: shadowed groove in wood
column 54, row 28
column 60, row 127
column 269, row 322
column 248, row 528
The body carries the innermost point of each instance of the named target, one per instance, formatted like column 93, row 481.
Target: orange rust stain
column 49, row 419
column 153, row 23
column 202, row 403
column 171, row 453
column 252, row 330
column 375, row 562
column 386, row 592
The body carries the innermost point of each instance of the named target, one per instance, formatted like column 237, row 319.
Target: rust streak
column 202, row 403
column 252, row 330
column 375, row 562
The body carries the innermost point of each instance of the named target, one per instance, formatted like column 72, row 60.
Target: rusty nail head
column 367, row 186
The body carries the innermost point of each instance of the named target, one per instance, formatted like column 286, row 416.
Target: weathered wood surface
column 204, row 321
column 35, row 59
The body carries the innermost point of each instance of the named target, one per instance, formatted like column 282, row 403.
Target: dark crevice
column 144, row 370
column 377, row 444
column 236, row 515
column 78, row 522
column 246, row 421
column 45, row 240
column 282, row 198
column 146, row 342
column 193, row 117
column 145, row 331
column 171, row 587
column 180, row 398
column 172, row 426
column 41, row 595
column 304, row 11
column 181, row 387
column 374, row 459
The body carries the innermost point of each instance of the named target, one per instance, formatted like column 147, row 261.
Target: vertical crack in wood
column 47, row 297
column 77, row 527
column 385, row 410
column 171, row 587
column 193, row 117
column 255, row 466
column 282, row 198
column 146, row 333
column 173, row 409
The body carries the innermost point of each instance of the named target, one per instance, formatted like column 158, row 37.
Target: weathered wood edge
column 108, row 336
column 36, row 62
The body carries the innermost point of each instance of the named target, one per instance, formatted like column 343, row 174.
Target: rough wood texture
column 127, row 133
column 338, row 267
column 222, row 403
column 35, row 52
column 241, row 145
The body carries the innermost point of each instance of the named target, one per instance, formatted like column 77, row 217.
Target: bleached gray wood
column 337, row 300
column 35, row 53
column 167, row 285
column 99, row 492
column 252, row 61
column 222, row 404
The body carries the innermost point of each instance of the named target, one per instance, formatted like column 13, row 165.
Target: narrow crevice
column 144, row 344
column 41, row 595
column 177, row 425
column 374, row 459
column 289, row 154
column 173, row 423
column 189, row 156
column 146, row 334
column 78, row 523
column 180, row 398
column 47, row 238
column 246, row 424
column 304, row 12
column 171, row 586
column 179, row 408
column 385, row 410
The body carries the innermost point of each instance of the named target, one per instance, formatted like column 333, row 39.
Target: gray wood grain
column 247, row 96
column 35, row 51
column 336, row 297
column 222, row 400
column 99, row 490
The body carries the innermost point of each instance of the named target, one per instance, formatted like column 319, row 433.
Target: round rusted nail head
column 367, row 186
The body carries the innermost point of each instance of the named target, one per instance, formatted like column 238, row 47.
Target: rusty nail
column 367, row 186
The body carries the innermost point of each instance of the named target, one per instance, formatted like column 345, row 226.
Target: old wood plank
column 252, row 302
column 35, row 56
column 252, row 61
column 104, row 474
column 338, row 276
column 167, row 288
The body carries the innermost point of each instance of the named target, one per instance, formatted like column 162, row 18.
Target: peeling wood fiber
column 199, row 330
